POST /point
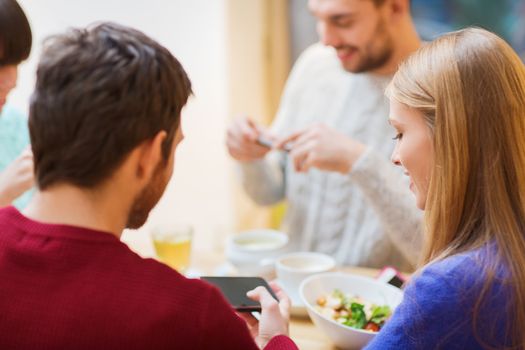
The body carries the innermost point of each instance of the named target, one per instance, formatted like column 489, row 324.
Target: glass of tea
column 173, row 245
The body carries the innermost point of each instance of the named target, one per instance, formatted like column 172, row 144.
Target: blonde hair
column 470, row 87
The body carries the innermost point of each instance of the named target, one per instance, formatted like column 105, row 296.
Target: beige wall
column 200, row 191
column 258, row 64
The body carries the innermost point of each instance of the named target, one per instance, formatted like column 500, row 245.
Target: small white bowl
column 374, row 291
column 294, row 268
column 254, row 252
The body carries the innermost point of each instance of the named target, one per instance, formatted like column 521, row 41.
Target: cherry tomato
column 371, row 326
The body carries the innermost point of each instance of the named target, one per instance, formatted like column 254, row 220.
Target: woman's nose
column 395, row 158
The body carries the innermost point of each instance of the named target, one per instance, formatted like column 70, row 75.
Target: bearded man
column 105, row 121
column 327, row 152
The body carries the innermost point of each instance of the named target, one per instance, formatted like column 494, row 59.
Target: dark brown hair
column 15, row 34
column 381, row 2
column 99, row 93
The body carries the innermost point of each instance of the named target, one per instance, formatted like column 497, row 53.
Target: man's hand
column 241, row 140
column 275, row 316
column 17, row 178
column 322, row 147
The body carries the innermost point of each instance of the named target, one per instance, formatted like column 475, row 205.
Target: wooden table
column 302, row 330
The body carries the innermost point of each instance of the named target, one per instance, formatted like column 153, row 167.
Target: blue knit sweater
column 437, row 309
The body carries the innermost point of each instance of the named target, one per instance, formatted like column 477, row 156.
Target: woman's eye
column 397, row 137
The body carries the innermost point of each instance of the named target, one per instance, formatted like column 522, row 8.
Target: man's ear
column 150, row 155
column 398, row 8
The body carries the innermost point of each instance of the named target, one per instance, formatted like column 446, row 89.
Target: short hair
column 15, row 34
column 381, row 2
column 100, row 92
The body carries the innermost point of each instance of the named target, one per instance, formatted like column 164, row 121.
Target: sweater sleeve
column 392, row 201
column 221, row 327
column 264, row 180
column 281, row 342
column 431, row 316
column 403, row 330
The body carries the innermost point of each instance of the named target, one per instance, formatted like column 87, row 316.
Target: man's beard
column 369, row 59
column 148, row 197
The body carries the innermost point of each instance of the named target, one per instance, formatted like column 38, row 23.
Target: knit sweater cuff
column 252, row 169
column 281, row 342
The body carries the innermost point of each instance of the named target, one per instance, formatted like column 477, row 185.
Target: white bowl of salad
column 349, row 309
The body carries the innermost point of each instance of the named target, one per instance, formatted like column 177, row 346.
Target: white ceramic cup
column 293, row 268
column 253, row 252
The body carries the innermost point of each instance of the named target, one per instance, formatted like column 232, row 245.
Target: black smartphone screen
column 396, row 282
column 234, row 290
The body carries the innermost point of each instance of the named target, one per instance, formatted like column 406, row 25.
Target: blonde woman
column 458, row 105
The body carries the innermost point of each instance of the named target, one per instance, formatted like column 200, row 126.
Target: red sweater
column 70, row 287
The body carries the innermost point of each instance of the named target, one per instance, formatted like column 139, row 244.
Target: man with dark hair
column 104, row 125
column 16, row 161
column 343, row 196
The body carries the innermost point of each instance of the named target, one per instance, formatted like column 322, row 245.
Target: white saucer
column 225, row 269
column 298, row 308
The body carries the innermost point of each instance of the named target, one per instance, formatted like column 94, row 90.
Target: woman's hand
column 275, row 315
column 17, row 178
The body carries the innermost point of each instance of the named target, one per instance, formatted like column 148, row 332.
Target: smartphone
column 263, row 141
column 234, row 290
column 391, row 276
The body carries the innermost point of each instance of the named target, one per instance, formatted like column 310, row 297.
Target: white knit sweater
column 367, row 217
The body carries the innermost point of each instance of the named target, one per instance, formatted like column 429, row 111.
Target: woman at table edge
column 458, row 106
column 16, row 160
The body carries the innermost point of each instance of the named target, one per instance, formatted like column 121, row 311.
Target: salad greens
column 353, row 311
